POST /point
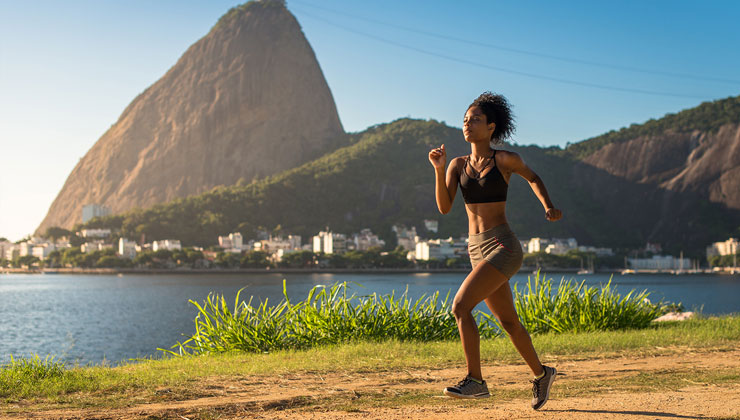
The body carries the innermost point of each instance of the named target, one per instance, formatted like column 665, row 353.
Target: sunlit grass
column 53, row 384
column 329, row 315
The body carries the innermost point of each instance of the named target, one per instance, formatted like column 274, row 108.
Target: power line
column 525, row 52
column 500, row 69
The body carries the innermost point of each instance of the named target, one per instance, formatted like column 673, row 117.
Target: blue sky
column 68, row 69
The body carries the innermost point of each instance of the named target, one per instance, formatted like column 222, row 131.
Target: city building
column 365, row 240
column 439, row 249
column 329, row 242
column 95, row 233
column 406, row 237
column 126, row 248
column 97, row 245
column 168, row 244
column 225, row 242
column 536, row 245
column 90, row 211
column 558, row 246
column 431, row 225
column 659, row 262
column 236, row 240
column 600, row 252
column 41, row 251
column 11, row 251
column 728, row 247
column 5, row 247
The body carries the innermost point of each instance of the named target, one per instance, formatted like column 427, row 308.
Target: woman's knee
column 460, row 309
column 511, row 326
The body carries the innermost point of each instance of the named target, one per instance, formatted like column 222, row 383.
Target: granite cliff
column 246, row 101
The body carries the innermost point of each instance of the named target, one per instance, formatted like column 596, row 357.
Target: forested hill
column 382, row 177
column 707, row 117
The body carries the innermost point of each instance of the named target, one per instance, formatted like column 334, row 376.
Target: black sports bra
column 491, row 188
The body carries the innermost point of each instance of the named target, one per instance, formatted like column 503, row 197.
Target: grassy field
column 28, row 385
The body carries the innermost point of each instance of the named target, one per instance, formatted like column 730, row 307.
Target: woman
column 495, row 252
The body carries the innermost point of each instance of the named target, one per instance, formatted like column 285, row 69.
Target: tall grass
column 23, row 372
column 329, row 315
column 576, row 307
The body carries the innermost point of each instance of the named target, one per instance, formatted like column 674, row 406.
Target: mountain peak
column 246, row 101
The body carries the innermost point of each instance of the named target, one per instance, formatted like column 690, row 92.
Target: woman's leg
column 501, row 304
column 482, row 282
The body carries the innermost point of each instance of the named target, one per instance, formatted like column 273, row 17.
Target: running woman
column 495, row 253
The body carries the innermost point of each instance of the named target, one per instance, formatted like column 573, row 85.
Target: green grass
column 329, row 315
column 138, row 383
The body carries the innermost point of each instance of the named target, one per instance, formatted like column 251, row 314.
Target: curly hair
column 497, row 110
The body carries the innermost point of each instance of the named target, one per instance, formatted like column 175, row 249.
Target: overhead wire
column 525, row 52
column 496, row 68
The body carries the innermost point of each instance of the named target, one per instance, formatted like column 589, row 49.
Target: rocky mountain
column 246, row 101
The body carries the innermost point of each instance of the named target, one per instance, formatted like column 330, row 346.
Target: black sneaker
column 541, row 387
column 468, row 388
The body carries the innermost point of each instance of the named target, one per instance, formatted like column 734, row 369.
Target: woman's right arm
column 445, row 184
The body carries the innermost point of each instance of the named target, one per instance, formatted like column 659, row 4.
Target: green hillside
column 709, row 117
column 382, row 177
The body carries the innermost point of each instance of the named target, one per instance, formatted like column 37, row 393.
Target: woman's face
column 476, row 128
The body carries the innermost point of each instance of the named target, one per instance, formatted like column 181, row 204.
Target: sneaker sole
column 549, row 385
column 466, row 397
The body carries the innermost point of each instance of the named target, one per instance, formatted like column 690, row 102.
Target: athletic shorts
column 499, row 247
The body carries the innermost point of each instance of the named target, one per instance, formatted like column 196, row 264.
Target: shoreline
column 191, row 271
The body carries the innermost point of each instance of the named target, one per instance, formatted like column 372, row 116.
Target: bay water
column 94, row 319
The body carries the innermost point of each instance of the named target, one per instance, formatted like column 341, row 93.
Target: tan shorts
column 499, row 247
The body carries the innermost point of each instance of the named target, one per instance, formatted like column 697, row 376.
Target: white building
column 225, row 242
column 406, row 237
column 601, row 252
column 126, row 248
column 41, row 251
column 90, row 247
column 5, row 246
column 559, row 246
column 439, row 249
column 10, row 251
column 168, row 244
column 728, row 247
column 25, row 248
column 431, row 225
column 236, row 240
column 659, row 262
column 95, row 233
column 330, row 243
column 90, row 211
column 537, row 245
column 365, row 240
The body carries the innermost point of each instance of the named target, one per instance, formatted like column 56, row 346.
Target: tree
column 255, row 259
column 56, row 232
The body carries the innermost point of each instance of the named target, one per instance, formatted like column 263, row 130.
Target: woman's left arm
column 514, row 163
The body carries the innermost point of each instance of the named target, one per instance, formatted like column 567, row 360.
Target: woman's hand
column 438, row 157
column 553, row 214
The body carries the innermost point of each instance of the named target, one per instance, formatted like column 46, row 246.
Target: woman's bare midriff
column 484, row 216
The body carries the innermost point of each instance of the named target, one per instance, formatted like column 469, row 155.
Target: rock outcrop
column 246, row 101
column 705, row 163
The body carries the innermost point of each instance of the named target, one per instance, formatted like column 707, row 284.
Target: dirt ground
column 616, row 388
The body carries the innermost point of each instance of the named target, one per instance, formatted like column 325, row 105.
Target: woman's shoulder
column 458, row 161
column 507, row 159
column 506, row 155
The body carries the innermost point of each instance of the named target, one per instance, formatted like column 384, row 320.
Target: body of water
column 96, row 318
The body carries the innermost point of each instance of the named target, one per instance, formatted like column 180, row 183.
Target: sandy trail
column 586, row 391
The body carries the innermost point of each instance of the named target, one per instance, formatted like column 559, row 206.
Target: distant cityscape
column 275, row 248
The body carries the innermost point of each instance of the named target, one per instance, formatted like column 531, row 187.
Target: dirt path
column 690, row 385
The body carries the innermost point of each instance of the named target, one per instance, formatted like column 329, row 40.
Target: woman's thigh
column 481, row 283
